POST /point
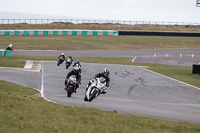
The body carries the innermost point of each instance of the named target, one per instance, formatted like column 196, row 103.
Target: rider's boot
column 104, row 91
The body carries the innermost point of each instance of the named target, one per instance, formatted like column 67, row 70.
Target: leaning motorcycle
column 95, row 89
column 9, row 48
column 70, row 86
column 60, row 61
column 68, row 63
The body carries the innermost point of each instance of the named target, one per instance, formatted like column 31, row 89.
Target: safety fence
column 94, row 33
column 58, row 32
column 80, row 21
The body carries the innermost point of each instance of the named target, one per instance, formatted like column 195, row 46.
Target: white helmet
column 106, row 72
column 10, row 45
column 62, row 54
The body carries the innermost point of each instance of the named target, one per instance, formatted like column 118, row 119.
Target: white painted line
column 133, row 60
column 42, row 82
column 172, row 79
column 42, row 86
column 28, row 65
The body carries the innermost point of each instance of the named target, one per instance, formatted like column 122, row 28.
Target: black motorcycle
column 70, row 85
column 9, row 48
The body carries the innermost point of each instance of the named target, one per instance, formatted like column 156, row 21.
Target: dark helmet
column 77, row 61
column 70, row 57
column 106, row 72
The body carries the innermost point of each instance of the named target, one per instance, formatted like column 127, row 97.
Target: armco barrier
column 58, row 32
column 154, row 33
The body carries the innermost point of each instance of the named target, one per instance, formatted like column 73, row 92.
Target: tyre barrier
column 5, row 52
column 155, row 33
column 58, row 32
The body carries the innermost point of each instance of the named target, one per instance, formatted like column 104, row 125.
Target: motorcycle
column 68, row 63
column 97, row 86
column 60, row 60
column 9, row 48
column 70, row 86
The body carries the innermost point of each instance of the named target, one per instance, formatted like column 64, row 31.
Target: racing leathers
column 98, row 75
column 78, row 77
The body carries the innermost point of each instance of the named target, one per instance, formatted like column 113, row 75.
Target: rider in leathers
column 104, row 74
column 70, row 59
column 77, row 73
column 61, row 55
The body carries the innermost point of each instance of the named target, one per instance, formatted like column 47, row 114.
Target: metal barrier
column 58, row 32
column 79, row 21
column 154, row 33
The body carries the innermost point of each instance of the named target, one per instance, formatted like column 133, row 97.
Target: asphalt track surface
column 143, row 56
column 133, row 90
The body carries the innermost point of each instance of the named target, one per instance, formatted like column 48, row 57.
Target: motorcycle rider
column 71, row 60
column 61, row 57
column 79, row 64
column 75, row 72
column 104, row 74
column 10, row 47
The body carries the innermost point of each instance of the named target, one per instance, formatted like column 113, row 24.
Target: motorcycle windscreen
column 102, row 80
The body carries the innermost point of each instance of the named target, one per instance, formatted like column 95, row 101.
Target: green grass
column 98, row 42
column 10, row 62
column 21, row 112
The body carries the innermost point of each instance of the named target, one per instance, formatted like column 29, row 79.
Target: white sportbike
column 96, row 87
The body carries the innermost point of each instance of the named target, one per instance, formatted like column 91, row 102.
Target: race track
column 133, row 90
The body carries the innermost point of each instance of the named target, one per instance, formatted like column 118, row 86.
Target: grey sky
column 135, row 10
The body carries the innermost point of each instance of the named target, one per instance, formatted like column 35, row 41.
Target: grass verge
column 11, row 62
column 21, row 112
column 98, row 42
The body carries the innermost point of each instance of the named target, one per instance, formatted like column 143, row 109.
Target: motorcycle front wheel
column 85, row 98
column 69, row 91
column 92, row 96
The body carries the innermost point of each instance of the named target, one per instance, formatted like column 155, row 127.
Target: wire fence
column 78, row 21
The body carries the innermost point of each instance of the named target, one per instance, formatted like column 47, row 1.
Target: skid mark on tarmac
column 138, row 81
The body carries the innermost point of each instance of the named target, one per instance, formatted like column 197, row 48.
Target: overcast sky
column 135, row 10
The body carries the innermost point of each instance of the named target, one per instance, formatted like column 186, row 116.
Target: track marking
column 42, row 82
column 42, row 85
column 133, row 60
column 28, row 65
